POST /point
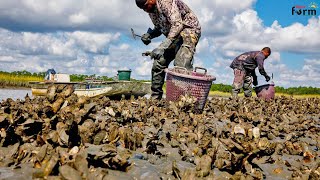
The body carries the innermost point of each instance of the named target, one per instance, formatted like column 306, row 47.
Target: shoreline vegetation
column 21, row 79
column 228, row 94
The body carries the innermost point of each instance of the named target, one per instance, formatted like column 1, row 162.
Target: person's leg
column 237, row 82
column 247, row 86
column 158, row 74
column 185, row 52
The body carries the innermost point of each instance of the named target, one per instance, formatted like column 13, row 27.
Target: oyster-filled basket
column 180, row 81
column 266, row 91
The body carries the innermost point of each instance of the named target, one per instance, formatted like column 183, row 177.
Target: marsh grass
column 227, row 94
column 22, row 80
column 299, row 96
column 17, row 81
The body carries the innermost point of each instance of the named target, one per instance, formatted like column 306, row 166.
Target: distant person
column 50, row 75
column 175, row 20
column 244, row 70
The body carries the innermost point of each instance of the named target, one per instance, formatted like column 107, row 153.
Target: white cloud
column 93, row 42
column 101, row 61
column 34, row 43
column 93, row 37
column 203, row 45
column 312, row 70
column 8, row 59
column 198, row 62
column 78, row 18
column 297, row 38
column 145, row 68
column 274, row 57
column 247, row 22
column 76, row 15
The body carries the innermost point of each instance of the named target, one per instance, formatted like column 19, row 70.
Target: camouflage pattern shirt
column 172, row 16
column 249, row 61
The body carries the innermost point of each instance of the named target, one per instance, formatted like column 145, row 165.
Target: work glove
column 255, row 80
column 146, row 38
column 267, row 78
column 159, row 51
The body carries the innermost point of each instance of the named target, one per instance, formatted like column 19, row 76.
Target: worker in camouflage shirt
column 244, row 70
column 175, row 20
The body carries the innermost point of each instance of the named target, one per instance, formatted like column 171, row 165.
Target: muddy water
column 14, row 93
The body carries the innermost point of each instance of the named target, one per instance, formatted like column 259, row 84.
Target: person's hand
column 157, row 53
column 255, row 80
column 267, row 78
column 146, row 38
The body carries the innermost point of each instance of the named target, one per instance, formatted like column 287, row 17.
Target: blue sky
column 271, row 10
column 281, row 11
column 93, row 37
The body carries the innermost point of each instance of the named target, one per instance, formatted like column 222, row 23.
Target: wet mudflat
column 62, row 136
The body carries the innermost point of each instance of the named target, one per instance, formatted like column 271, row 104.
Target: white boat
column 92, row 92
column 107, row 88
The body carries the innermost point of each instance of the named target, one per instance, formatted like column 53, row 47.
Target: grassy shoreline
column 225, row 94
column 14, row 87
column 8, row 81
column 14, row 81
column 211, row 93
column 21, row 79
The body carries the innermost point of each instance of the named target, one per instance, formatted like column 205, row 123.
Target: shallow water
column 14, row 93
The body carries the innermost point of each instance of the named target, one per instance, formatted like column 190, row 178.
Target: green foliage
column 81, row 77
column 19, row 78
column 24, row 73
column 291, row 91
column 298, row 90
column 221, row 87
column 136, row 80
column 78, row 77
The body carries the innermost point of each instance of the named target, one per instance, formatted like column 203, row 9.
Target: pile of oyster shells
column 62, row 136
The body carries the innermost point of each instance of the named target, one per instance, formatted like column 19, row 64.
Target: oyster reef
column 63, row 136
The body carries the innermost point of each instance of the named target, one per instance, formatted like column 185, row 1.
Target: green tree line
column 73, row 77
column 19, row 78
column 298, row 90
column 22, row 73
column 291, row 91
column 81, row 77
